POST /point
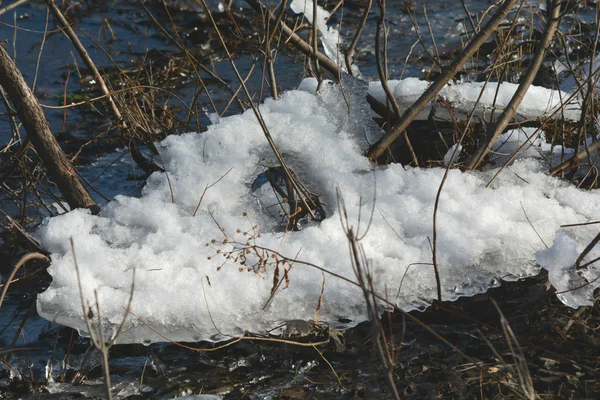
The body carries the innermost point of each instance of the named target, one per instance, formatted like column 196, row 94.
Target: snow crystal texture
column 201, row 275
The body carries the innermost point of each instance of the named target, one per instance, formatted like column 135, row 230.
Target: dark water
column 122, row 33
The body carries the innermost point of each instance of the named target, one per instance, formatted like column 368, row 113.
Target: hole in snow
column 287, row 199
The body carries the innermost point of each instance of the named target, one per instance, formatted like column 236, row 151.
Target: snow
column 191, row 282
column 463, row 96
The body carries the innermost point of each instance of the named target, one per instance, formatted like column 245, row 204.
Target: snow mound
column 203, row 275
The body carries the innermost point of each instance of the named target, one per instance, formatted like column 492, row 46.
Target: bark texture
column 38, row 130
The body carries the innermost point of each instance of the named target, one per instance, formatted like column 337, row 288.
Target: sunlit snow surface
column 463, row 97
column 188, row 290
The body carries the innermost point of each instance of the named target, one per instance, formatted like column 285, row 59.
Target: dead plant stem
column 305, row 199
column 496, row 129
column 86, row 58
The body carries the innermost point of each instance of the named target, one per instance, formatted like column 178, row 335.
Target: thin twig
column 383, row 78
column 511, row 108
column 350, row 50
column 12, row 6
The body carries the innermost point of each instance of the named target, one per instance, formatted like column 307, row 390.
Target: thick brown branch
column 38, row 130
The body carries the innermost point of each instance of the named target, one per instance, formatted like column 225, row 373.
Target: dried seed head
column 245, row 214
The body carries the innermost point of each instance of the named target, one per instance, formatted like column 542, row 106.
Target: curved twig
column 20, row 263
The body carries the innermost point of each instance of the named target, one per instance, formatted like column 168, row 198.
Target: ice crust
column 186, row 289
column 538, row 101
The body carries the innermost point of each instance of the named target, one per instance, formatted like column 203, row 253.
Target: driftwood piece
column 38, row 130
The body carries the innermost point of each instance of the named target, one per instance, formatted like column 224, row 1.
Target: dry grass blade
column 27, row 257
column 304, row 198
column 330, row 366
column 521, row 368
column 511, row 108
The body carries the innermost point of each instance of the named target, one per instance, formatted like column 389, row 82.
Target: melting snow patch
column 465, row 96
column 197, row 235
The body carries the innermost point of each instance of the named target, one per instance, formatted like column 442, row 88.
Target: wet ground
column 474, row 356
column 554, row 345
